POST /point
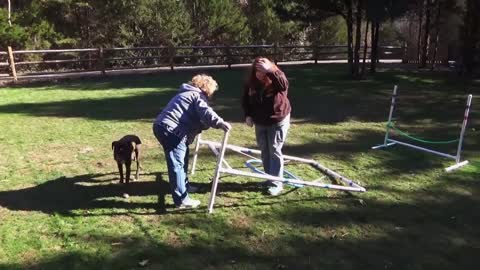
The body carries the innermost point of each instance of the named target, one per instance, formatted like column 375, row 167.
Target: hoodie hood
column 185, row 87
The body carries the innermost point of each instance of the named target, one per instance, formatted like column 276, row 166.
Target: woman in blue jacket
column 184, row 117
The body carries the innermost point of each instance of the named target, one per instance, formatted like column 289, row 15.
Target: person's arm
column 207, row 115
column 246, row 106
column 278, row 78
column 245, row 101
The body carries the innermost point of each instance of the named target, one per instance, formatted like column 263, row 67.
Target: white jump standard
column 389, row 142
column 219, row 150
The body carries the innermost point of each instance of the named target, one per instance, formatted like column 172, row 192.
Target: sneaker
column 188, row 203
column 274, row 191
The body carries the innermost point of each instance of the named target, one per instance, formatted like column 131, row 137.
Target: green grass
column 61, row 206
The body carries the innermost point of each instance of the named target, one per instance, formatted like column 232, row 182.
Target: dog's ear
column 113, row 145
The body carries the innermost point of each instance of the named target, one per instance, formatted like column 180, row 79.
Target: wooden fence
column 15, row 63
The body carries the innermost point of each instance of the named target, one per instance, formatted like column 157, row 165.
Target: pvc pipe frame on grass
column 389, row 142
column 350, row 185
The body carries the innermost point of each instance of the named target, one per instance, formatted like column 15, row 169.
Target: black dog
column 124, row 151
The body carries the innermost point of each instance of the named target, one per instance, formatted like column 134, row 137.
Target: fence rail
column 23, row 62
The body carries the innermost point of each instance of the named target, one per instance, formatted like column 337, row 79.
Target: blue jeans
column 176, row 154
column 270, row 140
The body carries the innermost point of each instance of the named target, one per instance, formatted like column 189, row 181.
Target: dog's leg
column 120, row 170
column 137, row 158
column 128, row 165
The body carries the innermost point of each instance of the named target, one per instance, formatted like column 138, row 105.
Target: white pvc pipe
column 195, row 154
column 464, row 125
column 336, row 175
column 220, row 158
column 293, row 181
column 456, row 166
column 245, row 150
column 233, row 147
column 460, row 142
column 217, row 173
column 383, row 145
column 287, row 157
column 245, row 154
column 392, row 107
column 423, row 149
column 216, row 153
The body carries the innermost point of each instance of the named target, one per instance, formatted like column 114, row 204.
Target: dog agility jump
column 223, row 167
column 459, row 141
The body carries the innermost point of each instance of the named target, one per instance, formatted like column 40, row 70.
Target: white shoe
column 274, row 191
column 188, row 203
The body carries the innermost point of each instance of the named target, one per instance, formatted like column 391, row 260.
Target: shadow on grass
column 83, row 192
column 433, row 228
column 82, row 195
column 437, row 221
column 145, row 106
column 319, row 94
column 419, row 234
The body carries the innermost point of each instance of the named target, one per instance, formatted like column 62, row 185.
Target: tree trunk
column 358, row 38
column 374, row 50
column 437, row 26
column 471, row 35
column 426, row 39
column 372, row 47
column 419, row 39
column 9, row 13
column 408, row 43
column 350, row 35
column 365, row 46
column 468, row 39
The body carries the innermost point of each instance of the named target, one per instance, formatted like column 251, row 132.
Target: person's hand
column 249, row 121
column 264, row 65
column 226, row 126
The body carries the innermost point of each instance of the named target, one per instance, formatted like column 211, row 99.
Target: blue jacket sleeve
column 207, row 115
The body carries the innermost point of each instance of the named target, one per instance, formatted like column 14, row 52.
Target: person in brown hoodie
column 267, row 107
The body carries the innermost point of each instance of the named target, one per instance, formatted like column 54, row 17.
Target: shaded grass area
column 61, row 205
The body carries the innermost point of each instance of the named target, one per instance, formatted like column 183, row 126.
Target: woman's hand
column 226, row 126
column 264, row 65
column 249, row 121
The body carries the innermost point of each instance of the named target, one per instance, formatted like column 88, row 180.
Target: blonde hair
column 206, row 83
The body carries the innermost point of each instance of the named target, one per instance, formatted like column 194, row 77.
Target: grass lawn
column 61, row 204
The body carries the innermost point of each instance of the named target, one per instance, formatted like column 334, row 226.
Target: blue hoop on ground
column 286, row 173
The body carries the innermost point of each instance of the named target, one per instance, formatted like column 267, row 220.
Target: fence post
column 315, row 52
column 275, row 52
column 12, row 63
column 404, row 57
column 256, row 51
column 101, row 61
column 172, row 56
column 229, row 57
